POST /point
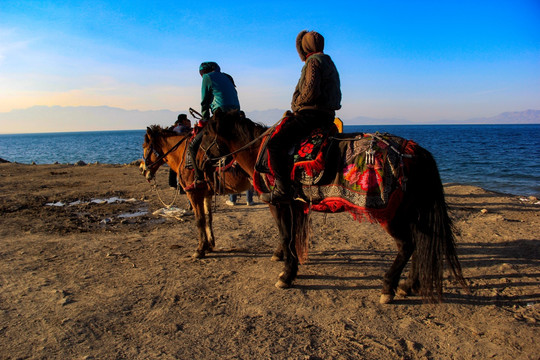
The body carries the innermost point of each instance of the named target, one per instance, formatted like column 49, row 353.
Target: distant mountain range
column 81, row 118
column 269, row 117
column 516, row 117
column 90, row 118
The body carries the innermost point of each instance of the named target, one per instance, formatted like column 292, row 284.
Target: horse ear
column 148, row 135
column 217, row 115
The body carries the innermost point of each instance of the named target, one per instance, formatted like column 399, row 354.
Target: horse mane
column 234, row 125
column 157, row 129
column 154, row 131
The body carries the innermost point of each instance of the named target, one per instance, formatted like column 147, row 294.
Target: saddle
column 308, row 156
column 363, row 174
column 221, row 165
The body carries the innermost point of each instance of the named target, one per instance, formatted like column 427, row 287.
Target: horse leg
column 278, row 253
column 286, row 232
column 211, row 242
column 398, row 228
column 412, row 284
column 197, row 200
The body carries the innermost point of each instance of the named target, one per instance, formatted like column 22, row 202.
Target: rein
column 176, row 192
column 161, row 157
column 197, row 115
column 246, row 146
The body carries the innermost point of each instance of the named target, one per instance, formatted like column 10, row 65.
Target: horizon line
column 344, row 126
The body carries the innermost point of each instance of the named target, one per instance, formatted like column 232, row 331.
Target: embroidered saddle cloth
column 308, row 157
column 361, row 173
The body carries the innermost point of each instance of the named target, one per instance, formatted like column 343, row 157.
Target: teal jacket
column 218, row 91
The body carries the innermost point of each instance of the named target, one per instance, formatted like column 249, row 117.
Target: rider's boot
column 282, row 193
column 197, row 182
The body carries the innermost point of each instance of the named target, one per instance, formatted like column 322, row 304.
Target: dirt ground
column 87, row 279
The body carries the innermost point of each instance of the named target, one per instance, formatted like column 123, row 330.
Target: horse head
column 219, row 133
column 151, row 153
column 223, row 124
column 232, row 129
column 234, row 134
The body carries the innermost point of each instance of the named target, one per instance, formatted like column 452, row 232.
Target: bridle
column 159, row 155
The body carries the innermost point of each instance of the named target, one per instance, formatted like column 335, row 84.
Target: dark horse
column 419, row 221
column 163, row 146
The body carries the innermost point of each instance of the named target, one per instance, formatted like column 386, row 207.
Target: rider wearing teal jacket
column 218, row 91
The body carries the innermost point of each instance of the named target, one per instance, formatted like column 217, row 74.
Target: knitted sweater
column 319, row 86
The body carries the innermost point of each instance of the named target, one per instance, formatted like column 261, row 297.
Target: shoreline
column 532, row 197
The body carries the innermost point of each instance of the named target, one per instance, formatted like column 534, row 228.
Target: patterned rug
column 363, row 174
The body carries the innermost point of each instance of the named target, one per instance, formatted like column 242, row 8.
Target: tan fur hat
column 309, row 42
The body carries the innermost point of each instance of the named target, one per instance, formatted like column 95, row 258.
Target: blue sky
column 415, row 60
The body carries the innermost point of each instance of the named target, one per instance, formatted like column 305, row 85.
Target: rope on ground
column 176, row 192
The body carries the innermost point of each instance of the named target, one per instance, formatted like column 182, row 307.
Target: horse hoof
column 386, row 299
column 282, row 284
column 402, row 292
column 276, row 258
column 404, row 289
column 198, row 255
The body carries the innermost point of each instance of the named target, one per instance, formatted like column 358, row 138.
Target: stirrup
column 276, row 197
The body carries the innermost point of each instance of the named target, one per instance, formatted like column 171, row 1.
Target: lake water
column 504, row 158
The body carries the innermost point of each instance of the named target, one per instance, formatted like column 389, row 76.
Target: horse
column 164, row 146
column 418, row 221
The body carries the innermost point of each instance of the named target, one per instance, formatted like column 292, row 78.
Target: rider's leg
column 290, row 131
column 193, row 149
column 293, row 129
column 278, row 147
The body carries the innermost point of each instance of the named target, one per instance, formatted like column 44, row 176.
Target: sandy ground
column 91, row 280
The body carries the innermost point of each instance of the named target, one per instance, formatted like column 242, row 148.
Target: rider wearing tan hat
column 316, row 98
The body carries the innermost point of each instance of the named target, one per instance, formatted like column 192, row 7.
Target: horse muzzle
column 146, row 172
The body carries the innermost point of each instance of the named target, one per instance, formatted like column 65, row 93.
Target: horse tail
column 432, row 229
column 302, row 231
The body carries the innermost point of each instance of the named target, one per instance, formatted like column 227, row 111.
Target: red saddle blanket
column 308, row 157
column 364, row 174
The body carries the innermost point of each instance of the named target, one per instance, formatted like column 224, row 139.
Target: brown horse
column 419, row 221
column 163, row 146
